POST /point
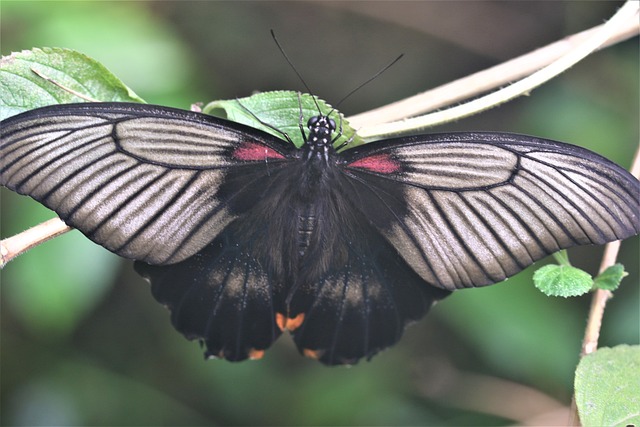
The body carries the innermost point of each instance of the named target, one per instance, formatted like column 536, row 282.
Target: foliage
column 608, row 387
column 562, row 281
column 610, row 278
column 24, row 88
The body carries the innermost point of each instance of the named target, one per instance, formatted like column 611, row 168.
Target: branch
column 483, row 81
column 555, row 58
column 13, row 246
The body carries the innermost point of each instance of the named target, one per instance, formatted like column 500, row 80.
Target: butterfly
column 243, row 236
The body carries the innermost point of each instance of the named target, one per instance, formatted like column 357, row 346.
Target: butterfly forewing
column 472, row 209
column 126, row 174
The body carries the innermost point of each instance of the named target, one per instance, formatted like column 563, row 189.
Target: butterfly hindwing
column 363, row 301
column 222, row 296
column 472, row 209
column 125, row 174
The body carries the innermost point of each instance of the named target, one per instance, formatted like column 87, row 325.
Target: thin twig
column 485, row 80
column 13, row 246
column 627, row 13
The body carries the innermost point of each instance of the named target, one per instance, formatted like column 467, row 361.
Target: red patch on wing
column 251, row 151
column 380, row 163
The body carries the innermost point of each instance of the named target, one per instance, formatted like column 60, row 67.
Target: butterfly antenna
column 273, row 35
column 385, row 68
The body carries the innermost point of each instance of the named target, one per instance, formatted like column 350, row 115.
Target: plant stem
column 562, row 258
column 13, row 246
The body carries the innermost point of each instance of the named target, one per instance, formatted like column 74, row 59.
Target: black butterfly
column 243, row 236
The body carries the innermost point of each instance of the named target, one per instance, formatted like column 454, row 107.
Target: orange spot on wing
column 255, row 354
column 289, row 323
column 312, row 354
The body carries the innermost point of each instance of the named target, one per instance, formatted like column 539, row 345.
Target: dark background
column 84, row 343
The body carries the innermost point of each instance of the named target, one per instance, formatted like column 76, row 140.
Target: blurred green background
column 84, row 343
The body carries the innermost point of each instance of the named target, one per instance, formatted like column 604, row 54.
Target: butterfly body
column 243, row 236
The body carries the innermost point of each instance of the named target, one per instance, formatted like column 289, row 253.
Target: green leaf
column 607, row 387
column 610, row 278
column 280, row 110
column 562, row 281
column 21, row 89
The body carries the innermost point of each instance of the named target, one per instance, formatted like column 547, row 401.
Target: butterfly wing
column 221, row 296
column 362, row 302
column 472, row 209
column 165, row 187
column 141, row 180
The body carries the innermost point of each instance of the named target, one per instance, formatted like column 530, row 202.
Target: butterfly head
column 320, row 130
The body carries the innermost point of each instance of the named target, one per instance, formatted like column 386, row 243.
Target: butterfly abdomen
column 306, row 226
